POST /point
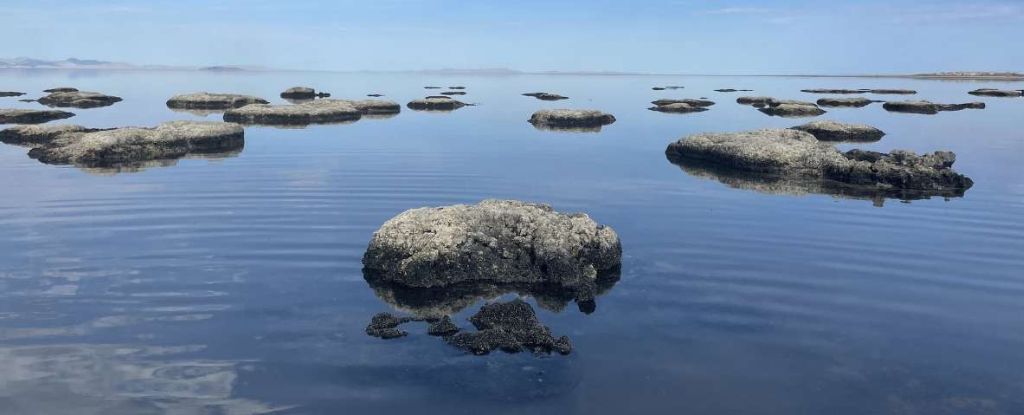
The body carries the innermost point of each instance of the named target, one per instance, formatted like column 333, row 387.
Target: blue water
column 233, row 285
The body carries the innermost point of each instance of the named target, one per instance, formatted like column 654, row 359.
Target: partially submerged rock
column 375, row 95
column 314, row 112
column 857, row 102
column 892, row 91
column 792, row 109
column 545, row 96
column 78, row 99
column 928, row 107
column 763, row 101
column 837, row 131
column 990, row 92
column 436, row 103
column 678, row 108
column 431, row 87
column 511, row 327
column 4, row 94
column 60, row 89
column 688, row 101
column 302, row 92
column 658, row 88
column 457, row 87
column 793, row 154
column 26, row 116
column 453, row 93
column 733, row 90
column 834, row 91
column 501, row 241
column 570, row 119
column 212, row 101
column 39, row 135
column 374, row 106
column 125, row 146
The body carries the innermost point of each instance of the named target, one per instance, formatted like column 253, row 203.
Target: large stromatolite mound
column 314, row 112
column 212, row 101
column 857, row 102
column 928, row 107
column 78, row 99
column 125, row 147
column 501, row 241
column 545, row 96
column 436, row 103
column 797, row 155
column 570, row 119
column 990, row 92
column 25, row 116
column 791, row 109
column 838, row 131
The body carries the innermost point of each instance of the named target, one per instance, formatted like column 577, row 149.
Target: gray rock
column 314, row 112
column 791, row 109
column 845, row 102
column 125, row 146
column 212, row 101
column 78, row 99
column 299, row 92
column 569, row 119
column 442, row 327
column 24, row 116
column 436, row 103
column 688, row 101
column 372, row 106
column 795, row 153
column 658, row 88
column 892, row 91
column 754, row 100
column 837, row 131
column 60, row 89
column 453, row 93
column 385, row 326
column 501, row 241
column 431, row 87
column 678, row 108
column 928, row 107
column 374, row 95
column 544, row 96
column 4, row 94
column 733, row 90
column 834, row 91
column 456, row 87
column 511, row 327
column 39, row 135
column 989, row 92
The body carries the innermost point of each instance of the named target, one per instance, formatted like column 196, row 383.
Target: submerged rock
column 790, row 108
column 837, row 131
column 212, row 101
column 5, row 94
column 436, row 103
column 511, row 327
column 124, row 146
column 688, row 101
column 834, row 91
column 796, row 154
column 845, row 102
column 989, row 92
column 928, row 107
column 570, row 119
column 385, row 326
column 501, row 241
column 678, row 108
column 78, row 99
column 314, row 112
column 544, row 96
column 60, row 89
column 892, row 91
column 25, row 116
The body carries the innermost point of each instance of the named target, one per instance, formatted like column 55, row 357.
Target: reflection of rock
column 436, row 103
column 837, row 131
column 796, row 154
column 78, row 99
column 570, row 119
column 128, row 146
column 499, row 241
column 22, row 116
column 989, row 92
column 316, row 112
column 212, row 101
column 927, row 107
column 4, row 94
column 545, row 96
column 845, row 102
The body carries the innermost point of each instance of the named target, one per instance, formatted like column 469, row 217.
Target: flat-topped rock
column 39, row 135
column 857, row 102
column 570, row 118
column 1004, row 93
column 373, row 106
column 27, row 116
column 436, row 103
column 78, row 99
column 374, row 95
column 457, row 87
column 60, row 89
column 212, row 101
column 678, row 108
column 119, row 146
column 754, row 100
column 833, row 91
column 545, row 96
column 892, row 91
column 838, row 131
column 453, row 93
column 733, row 90
column 688, row 101
column 794, row 153
column 791, row 109
column 314, row 112
column 928, row 107
column 431, row 87
column 4, row 94
column 501, row 241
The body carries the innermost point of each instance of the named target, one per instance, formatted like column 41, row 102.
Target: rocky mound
column 436, row 103
column 78, row 99
column 928, row 107
column 39, row 135
column 678, row 108
column 845, row 102
column 791, row 109
column 303, row 93
column 756, row 101
column 60, row 89
column 688, row 101
column 1004, row 93
column 545, row 96
column 24, row 116
column 837, row 131
column 314, row 112
column 212, row 101
column 569, row 119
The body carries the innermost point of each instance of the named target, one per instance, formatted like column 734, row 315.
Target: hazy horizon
column 664, row 36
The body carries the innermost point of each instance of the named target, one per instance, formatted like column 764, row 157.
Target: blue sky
column 665, row 36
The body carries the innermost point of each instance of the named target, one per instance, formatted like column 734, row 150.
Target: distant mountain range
column 75, row 63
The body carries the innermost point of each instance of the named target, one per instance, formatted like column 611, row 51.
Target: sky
column 657, row 36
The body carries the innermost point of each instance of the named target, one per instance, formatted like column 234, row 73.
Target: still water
column 233, row 285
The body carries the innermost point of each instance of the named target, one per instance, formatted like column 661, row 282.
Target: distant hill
column 93, row 64
column 1014, row 76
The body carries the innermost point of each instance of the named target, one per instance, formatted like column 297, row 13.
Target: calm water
column 234, row 285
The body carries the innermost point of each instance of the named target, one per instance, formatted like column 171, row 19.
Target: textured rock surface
column 754, row 100
column 372, row 106
column 545, row 96
column 299, row 92
column 789, row 108
column 796, row 153
column 78, row 99
column 511, row 327
column 212, row 101
column 989, row 92
column 38, row 135
column 314, row 112
column 60, row 89
column 892, row 91
column 845, row 102
column 11, row 94
column 678, row 108
column 928, row 107
column 688, row 101
column 833, row 91
column 837, row 131
column 503, row 241
column 568, row 118
column 23, row 116
column 120, row 146
column 436, row 103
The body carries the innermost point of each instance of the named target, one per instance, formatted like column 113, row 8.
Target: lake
column 234, row 284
